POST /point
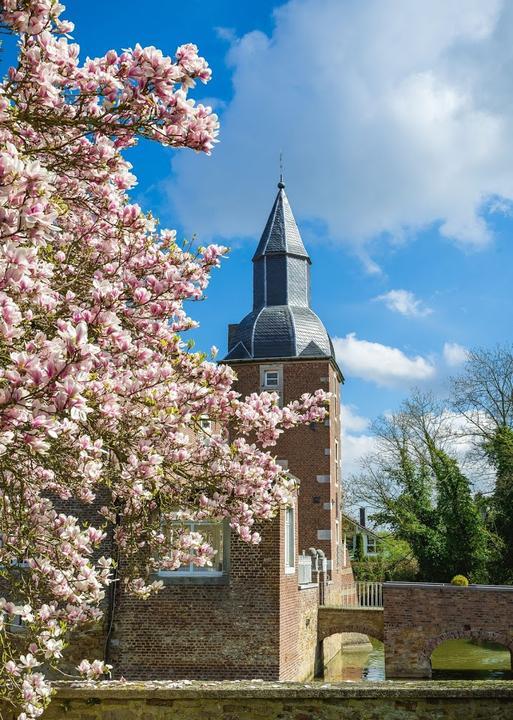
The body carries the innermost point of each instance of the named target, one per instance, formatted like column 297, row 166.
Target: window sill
column 290, row 571
column 192, row 579
column 308, row 586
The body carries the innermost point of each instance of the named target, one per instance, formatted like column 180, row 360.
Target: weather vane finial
column 281, row 184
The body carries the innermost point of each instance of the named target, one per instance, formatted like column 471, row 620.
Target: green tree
column 467, row 543
column 483, row 394
column 394, row 561
column 499, row 450
column 421, row 494
column 359, row 552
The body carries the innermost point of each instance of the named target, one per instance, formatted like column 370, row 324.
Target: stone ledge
column 351, row 608
column 447, row 586
column 244, row 689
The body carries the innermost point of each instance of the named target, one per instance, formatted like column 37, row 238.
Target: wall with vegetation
column 253, row 700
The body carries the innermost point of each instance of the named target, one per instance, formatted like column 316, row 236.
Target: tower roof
column 281, row 233
column 282, row 324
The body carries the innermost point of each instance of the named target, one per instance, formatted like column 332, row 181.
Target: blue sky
column 396, row 123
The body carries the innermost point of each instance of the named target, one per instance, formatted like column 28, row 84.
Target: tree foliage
column 499, row 450
column 420, row 493
column 394, row 561
column 483, row 394
column 101, row 399
column 416, row 482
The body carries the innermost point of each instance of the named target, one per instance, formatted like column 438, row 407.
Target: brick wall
column 364, row 621
column 207, row 631
column 310, row 452
column 312, row 456
column 258, row 623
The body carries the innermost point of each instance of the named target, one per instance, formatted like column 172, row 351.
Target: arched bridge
column 420, row 616
column 367, row 621
column 417, row 617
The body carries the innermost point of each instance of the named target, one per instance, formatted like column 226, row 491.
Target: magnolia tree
column 101, row 400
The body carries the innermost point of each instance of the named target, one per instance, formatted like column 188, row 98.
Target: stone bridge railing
column 362, row 593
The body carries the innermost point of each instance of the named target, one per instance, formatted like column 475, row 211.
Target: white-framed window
column 21, row 562
column 206, row 430
column 371, row 544
column 15, row 623
column 271, row 379
column 290, row 541
column 214, row 534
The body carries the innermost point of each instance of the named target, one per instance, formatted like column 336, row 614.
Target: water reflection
column 457, row 659
column 367, row 663
column 453, row 659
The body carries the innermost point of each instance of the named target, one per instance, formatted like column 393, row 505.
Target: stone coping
column 352, row 607
column 186, row 689
column 447, row 586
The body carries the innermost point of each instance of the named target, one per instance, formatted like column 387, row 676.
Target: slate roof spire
column 281, row 264
column 281, row 233
column 282, row 323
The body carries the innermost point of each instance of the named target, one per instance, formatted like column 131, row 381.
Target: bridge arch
column 360, row 628
column 465, row 634
column 366, row 621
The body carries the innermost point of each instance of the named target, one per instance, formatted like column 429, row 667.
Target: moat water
column 452, row 660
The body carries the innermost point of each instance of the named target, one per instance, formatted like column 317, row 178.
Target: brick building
column 254, row 613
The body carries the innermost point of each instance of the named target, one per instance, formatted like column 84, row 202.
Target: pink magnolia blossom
column 101, row 399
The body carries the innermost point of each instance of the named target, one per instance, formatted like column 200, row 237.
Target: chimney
column 363, row 518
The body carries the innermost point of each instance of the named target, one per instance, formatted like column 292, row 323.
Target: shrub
column 459, row 580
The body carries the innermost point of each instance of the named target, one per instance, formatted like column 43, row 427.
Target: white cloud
column 351, row 421
column 354, row 448
column 379, row 363
column 454, row 354
column 355, row 441
column 405, row 303
column 392, row 116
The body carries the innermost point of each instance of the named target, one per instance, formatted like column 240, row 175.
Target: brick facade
column 304, row 448
column 257, row 621
column 229, row 631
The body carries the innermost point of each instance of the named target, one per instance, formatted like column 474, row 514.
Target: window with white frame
column 290, row 541
column 371, row 544
column 214, row 534
column 206, row 430
column 21, row 562
column 271, row 379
